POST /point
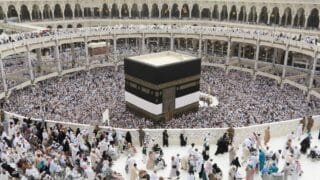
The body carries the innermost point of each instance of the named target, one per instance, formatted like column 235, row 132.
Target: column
column 57, row 57
column 269, row 16
column 158, row 43
column 73, row 12
column 148, row 42
column 115, row 57
column 212, row 43
column 119, row 8
column 171, row 43
column 258, row 18
column 312, row 71
column 30, row 65
column 3, row 75
column 292, row 19
column 19, row 18
column 200, row 47
column 73, row 56
column 41, row 14
column 126, row 42
column 62, row 15
column 284, row 66
column 306, row 20
column 143, row 44
column 228, row 52
column 247, row 17
column 281, row 13
column 107, row 51
column 39, row 58
column 256, row 59
column 275, row 52
column 239, row 51
column 243, row 52
column 86, row 53
column 205, row 48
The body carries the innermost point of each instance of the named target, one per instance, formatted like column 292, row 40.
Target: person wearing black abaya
column 165, row 138
column 183, row 140
column 319, row 135
column 222, row 144
column 215, row 169
column 305, row 145
column 128, row 138
column 235, row 162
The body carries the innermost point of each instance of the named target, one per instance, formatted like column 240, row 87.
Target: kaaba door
column 168, row 102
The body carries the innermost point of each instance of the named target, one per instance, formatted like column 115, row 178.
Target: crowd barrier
column 277, row 129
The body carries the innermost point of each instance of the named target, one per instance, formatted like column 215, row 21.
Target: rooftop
column 162, row 58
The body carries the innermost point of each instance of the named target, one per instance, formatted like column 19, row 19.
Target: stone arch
column 2, row 14
column 145, row 11
column 77, row 10
column 275, row 17
column 242, row 14
column 185, row 13
column 264, row 15
column 299, row 19
column 165, row 11
column 313, row 19
column 96, row 12
column 12, row 12
column 105, row 10
column 233, row 13
column 68, row 11
column 36, row 13
column 286, row 17
column 205, row 13
column 79, row 25
column 195, row 12
column 124, row 10
column 155, row 11
column 175, row 11
column 24, row 13
column 134, row 11
column 253, row 15
column 59, row 26
column 57, row 11
column 87, row 12
column 49, row 27
column 47, row 13
column 215, row 12
column 69, row 26
column 224, row 13
column 114, row 10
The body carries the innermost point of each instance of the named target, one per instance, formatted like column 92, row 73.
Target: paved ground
column 311, row 168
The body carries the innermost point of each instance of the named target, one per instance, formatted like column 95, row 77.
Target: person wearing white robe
column 299, row 131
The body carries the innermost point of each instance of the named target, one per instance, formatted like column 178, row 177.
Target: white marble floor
column 311, row 168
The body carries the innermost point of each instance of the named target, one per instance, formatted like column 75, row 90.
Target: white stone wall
column 196, row 136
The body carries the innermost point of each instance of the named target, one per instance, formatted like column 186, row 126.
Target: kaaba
column 162, row 85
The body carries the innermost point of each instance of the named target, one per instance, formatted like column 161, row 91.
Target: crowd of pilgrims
column 276, row 36
column 84, row 96
column 34, row 150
